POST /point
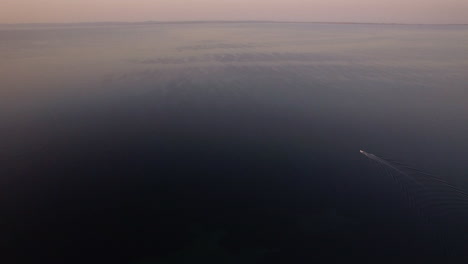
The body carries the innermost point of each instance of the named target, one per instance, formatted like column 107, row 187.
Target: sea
column 232, row 142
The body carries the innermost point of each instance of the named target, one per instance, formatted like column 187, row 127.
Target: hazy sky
column 399, row 11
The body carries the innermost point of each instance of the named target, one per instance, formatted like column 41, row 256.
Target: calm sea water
column 227, row 142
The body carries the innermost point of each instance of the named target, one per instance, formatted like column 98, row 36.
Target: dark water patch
column 239, row 57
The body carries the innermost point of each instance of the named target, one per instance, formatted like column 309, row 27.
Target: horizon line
column 229, row 21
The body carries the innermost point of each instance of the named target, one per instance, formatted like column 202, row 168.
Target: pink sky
column 387, row 11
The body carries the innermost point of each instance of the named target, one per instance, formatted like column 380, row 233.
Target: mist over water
column 227, row 143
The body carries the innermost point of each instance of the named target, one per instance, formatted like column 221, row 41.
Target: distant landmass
column 119, row 23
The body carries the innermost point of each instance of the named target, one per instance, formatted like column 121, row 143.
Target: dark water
column 227, row 143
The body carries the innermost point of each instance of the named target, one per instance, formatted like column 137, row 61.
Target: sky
column 375, row 11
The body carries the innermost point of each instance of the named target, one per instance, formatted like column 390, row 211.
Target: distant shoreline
column 104, row 23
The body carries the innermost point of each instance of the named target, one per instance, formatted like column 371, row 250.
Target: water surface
column 226, row 142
